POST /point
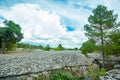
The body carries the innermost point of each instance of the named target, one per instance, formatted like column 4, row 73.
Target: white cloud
column 114, row 5
column 42, row 27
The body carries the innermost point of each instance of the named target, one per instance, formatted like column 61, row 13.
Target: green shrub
column 11, row 47
column 47, row 48
column 102, row 72
column 93, row 74
column 75, row 48
column 59, row 48
column 88, row 47
column 61, row 75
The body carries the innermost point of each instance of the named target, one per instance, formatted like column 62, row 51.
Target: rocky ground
column 111, row 75
column 35, row 61
column 114, row 73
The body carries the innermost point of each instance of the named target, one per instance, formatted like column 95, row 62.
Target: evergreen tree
column 101, row 22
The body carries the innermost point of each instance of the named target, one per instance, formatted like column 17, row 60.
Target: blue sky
column 53, row 21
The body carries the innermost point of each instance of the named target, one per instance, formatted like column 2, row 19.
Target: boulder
column 117, row 66
column 111, row 75
column 94, row 55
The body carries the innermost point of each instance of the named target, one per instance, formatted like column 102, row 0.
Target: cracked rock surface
column 37, row 61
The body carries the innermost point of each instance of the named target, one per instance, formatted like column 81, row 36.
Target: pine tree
column 101, row 22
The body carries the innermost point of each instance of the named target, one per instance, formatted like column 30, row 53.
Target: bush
column 88, row 47
column 59, row 48
column 102, row 72
column 75, row 48
column 47, row 48
column 11, row 47
column 61, row 75
column 93, row 74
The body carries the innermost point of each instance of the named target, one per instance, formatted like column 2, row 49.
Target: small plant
column 102, row 72
column 61, row 75
column 93, row 74
column 47, row 48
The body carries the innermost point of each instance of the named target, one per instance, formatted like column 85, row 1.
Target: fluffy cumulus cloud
column 52, row 22
column 40, row 26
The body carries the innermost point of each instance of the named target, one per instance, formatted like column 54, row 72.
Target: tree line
column 45, row 48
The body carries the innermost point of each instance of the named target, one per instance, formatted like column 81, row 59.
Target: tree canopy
column 10, row 34
column 88, row 47
column 101, row 23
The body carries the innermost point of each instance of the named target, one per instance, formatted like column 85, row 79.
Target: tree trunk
column 103, row 63
column 102, row 48
column 3, row 46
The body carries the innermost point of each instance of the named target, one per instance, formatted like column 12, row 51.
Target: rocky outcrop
column 94, row 55
column 111, row 75
column 117, row 66
column 14, row 66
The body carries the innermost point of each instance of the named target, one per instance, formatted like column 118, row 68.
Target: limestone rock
column 94, row 55
column 111, row 75
column 117, row 66
column 33, row 62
